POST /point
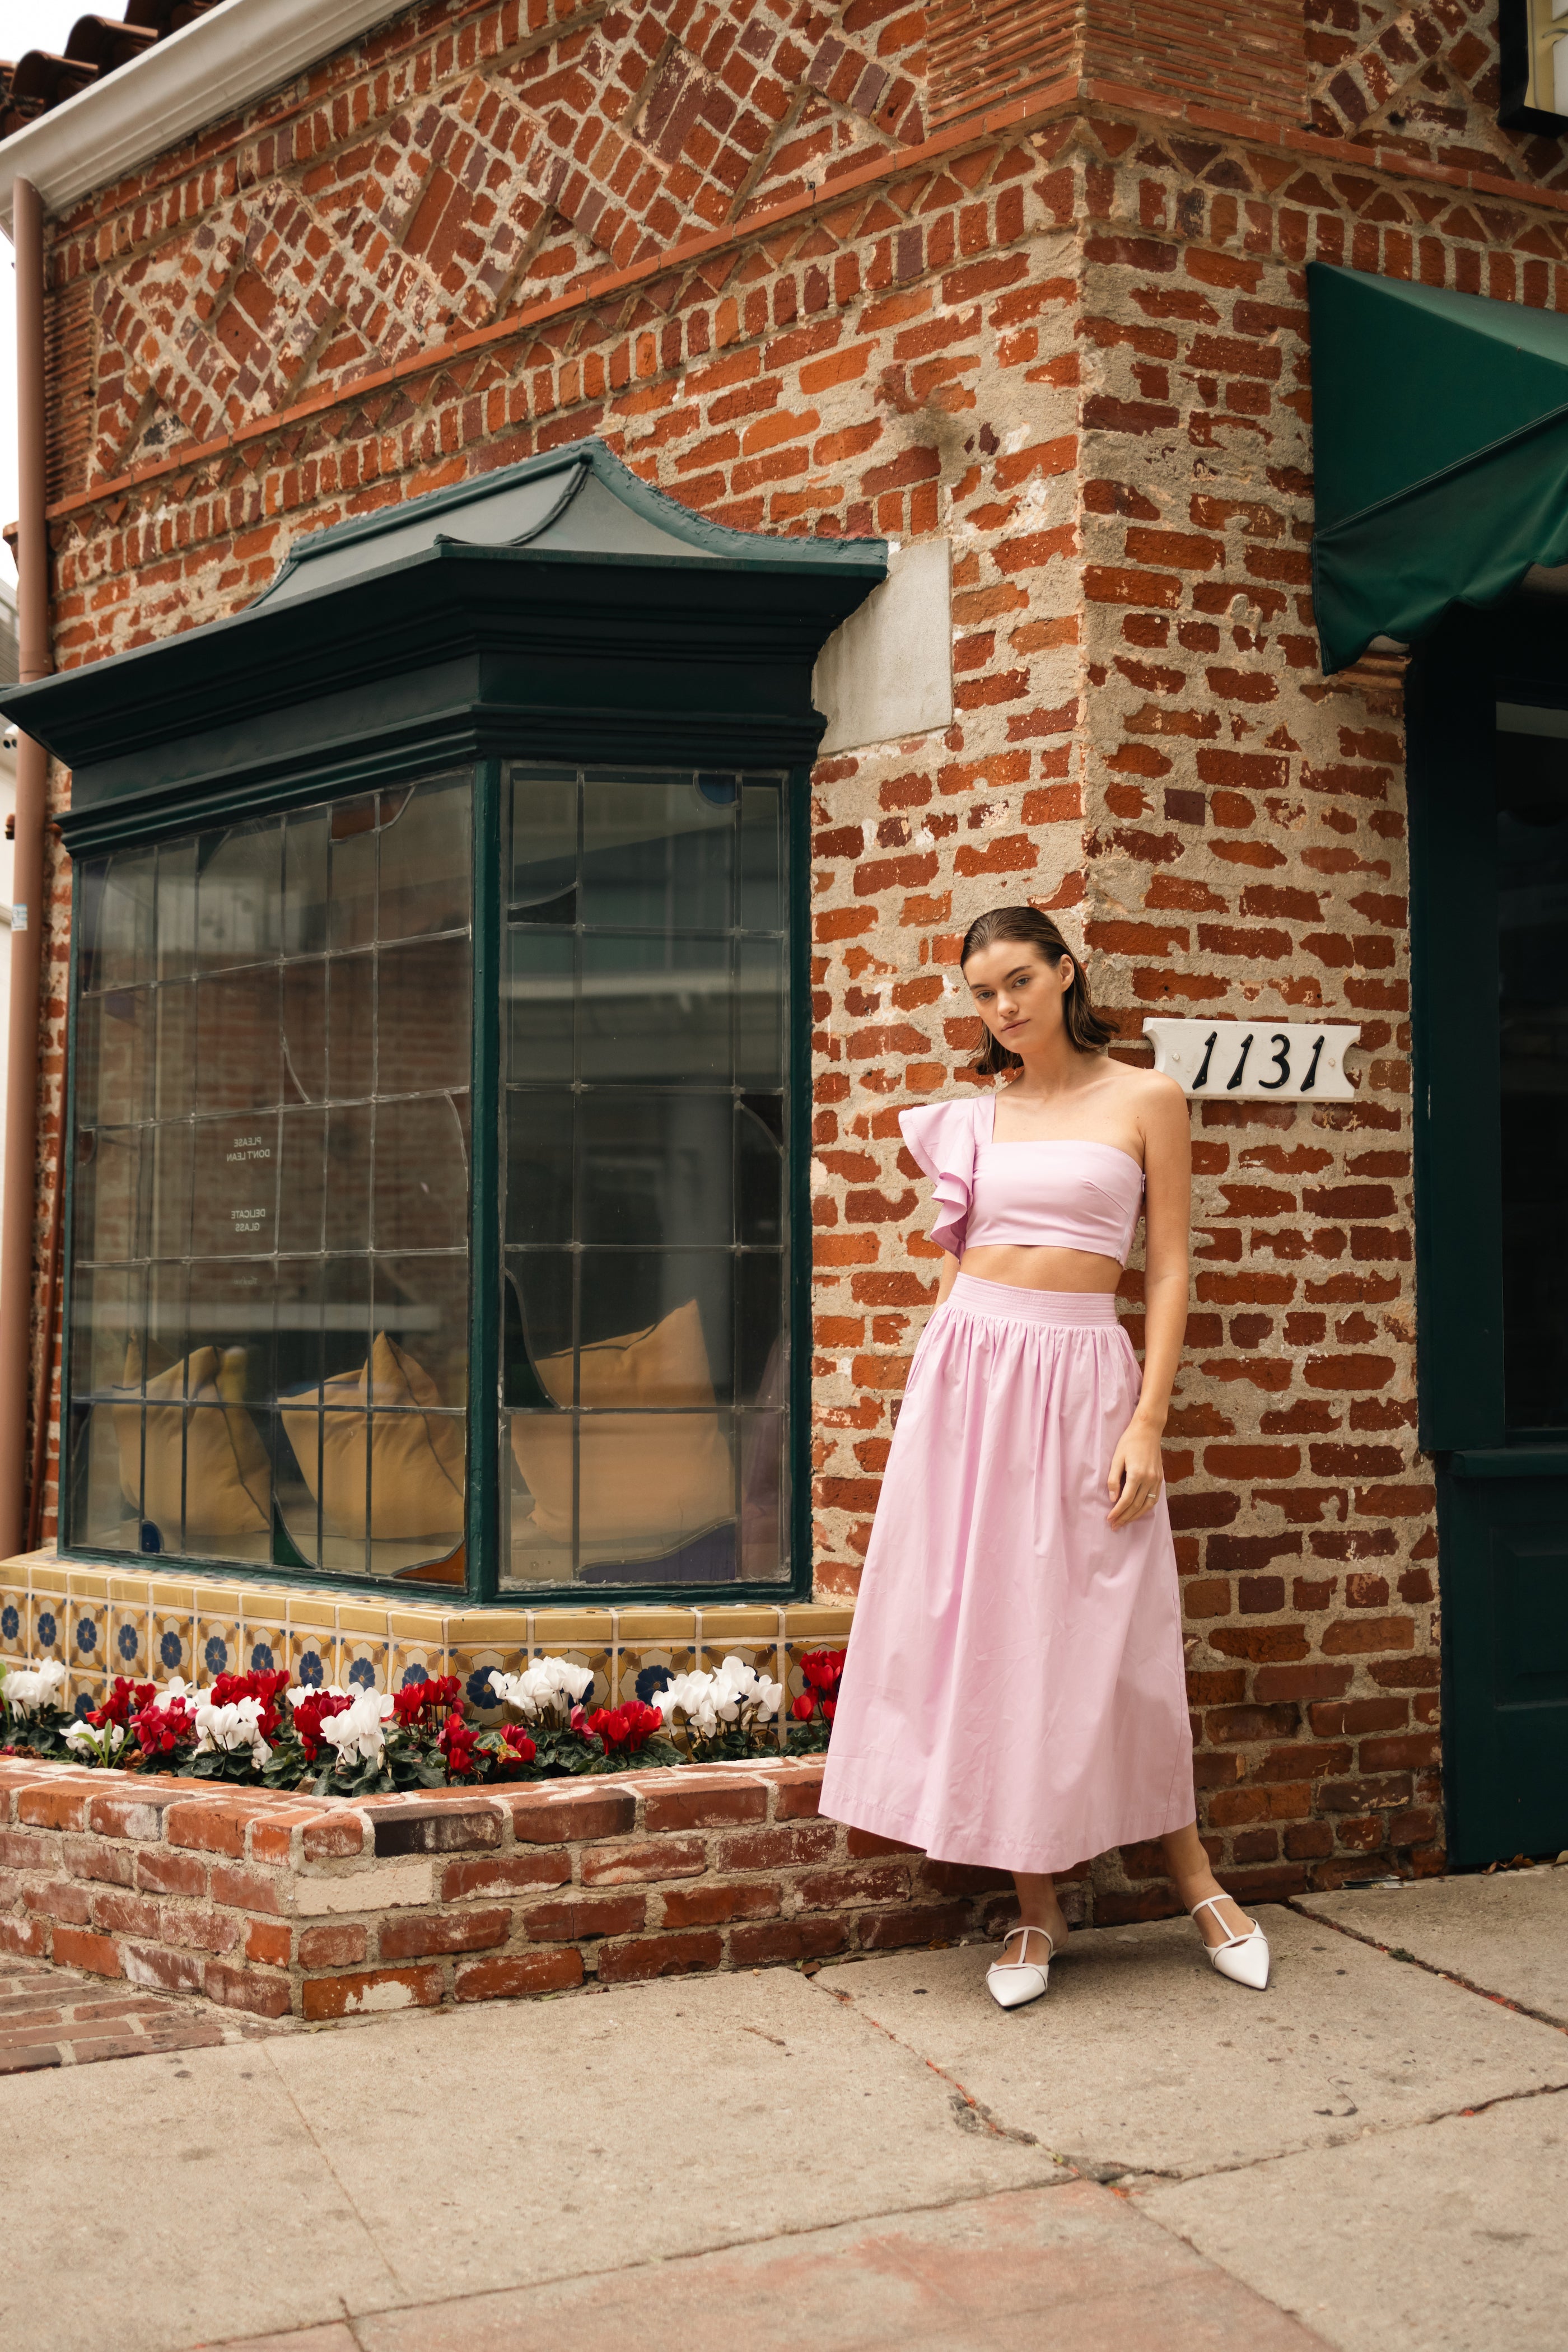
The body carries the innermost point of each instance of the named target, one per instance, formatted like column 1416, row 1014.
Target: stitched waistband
column 1014, row 1304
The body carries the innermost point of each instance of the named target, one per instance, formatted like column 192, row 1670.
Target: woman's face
column 1018, row 992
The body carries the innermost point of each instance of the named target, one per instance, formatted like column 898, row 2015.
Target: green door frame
column 1502, row 1508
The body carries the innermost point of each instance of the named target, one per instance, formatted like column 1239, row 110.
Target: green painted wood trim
column 802, row 1517
column 1450, row 698
column 64, row 1493
column 1509, row 1461
column 487, row 1425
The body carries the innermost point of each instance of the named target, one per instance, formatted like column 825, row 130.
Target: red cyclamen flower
column 269, row 1687
column 427, row 1699
column 312, row 1712
column 805, row 1707
column 824, row 1670
column 629, row 1726
column 123, row 1701
column 522, row 1748
column 457, row 1744
column 161, row 1730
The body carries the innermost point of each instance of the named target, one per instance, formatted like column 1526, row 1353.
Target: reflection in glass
column 239, row 895
column 654, row 1010
column 657, row 852
column 646, row 1270
column 541, row 987
column 246, row 1140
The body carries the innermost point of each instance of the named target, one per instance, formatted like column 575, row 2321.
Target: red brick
column 247, row 1989
column 27, row 1938
column 714, row 1906
column 243, row 1890
column 332, row 1837
column 336, row 1945
column 707, row 1805
column 889, row 1931
column 779, row 1941
column 822, row 1890
column 370, row 1991
column 779, row 1848
column 96, row 1858
column 139, row 1817
column 160, row 1871
column 210, row 1825
column 626, row 1865
column 506, row 1873
column 862, row 1842
column 659, row 1955
column 74, row 1948
column 153, row 1963
column 510, row 1977
column 118, row 1914
column 571, row 1917
column 419, row 1933
column 269, row 1942
column 55, row 1805
column 546, row 1816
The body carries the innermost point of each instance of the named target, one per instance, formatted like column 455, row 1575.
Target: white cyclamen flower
column 105, row 1744
column 231, row 1729
column 542, row 1683
column 357, row 1733
column 322, row 1690
column 28, row 1689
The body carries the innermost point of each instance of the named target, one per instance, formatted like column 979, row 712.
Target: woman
column 1014, row 1694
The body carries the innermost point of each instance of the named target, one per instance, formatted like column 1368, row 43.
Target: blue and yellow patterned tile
column 171, row 1644
column 48, row 1628
column 129, row 1648
column 312, row 1657
column 13, row 1622
column 263, row 1644
column 86, row 1638
column 216, row 1648
column 84, row 1692
column 362, row 1664
column 417, row 1662
column 645, row 1667
column 473, row 1663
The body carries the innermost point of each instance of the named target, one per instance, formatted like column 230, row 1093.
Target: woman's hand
column 1137, row 1475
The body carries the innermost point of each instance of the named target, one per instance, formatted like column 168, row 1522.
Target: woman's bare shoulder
column 1146, row 1090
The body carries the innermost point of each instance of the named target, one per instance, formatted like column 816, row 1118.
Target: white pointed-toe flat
column 1011, row 1983
column 1243, row 1958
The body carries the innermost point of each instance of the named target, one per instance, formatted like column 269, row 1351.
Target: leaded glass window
column 269, row 1344
column 645, row 1263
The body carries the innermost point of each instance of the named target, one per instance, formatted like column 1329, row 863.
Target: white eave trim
column 211, row 68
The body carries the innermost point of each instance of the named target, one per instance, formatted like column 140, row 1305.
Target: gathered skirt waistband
column 1010, row 1303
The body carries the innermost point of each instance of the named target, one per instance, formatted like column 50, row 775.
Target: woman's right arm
column 947, row 1278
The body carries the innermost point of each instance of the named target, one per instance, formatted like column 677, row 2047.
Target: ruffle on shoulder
column 943, row 1138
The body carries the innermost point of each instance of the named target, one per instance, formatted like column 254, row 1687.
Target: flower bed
column 253, row 1729
column 284, row 1901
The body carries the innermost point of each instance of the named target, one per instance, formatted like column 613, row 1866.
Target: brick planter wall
column 321, row 1907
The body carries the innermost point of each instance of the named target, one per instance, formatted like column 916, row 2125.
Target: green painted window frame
column 487, row 759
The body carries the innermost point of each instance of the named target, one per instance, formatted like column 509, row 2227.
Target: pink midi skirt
column 1014, row 1694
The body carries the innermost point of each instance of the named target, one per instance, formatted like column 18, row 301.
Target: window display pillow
column 417, row 1469
column 228, row 1477
column 648, row 1481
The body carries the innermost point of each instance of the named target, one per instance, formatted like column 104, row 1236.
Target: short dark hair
column 1088, row 1030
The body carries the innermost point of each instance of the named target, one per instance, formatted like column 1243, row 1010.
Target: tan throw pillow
column 648, row 1482
column 228, row 1477
column 417, row 1458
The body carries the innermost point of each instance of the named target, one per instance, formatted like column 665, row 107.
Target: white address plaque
column 1293, row 1061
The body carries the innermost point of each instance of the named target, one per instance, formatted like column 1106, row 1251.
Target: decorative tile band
column 103, row 1622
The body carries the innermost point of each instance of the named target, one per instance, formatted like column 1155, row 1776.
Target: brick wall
column 285, row 1905
column 726, row 240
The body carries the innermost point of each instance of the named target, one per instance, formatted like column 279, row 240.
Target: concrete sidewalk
column 1371, row 2155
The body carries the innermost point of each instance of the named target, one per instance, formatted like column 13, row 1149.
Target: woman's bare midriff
column 1028, row 1266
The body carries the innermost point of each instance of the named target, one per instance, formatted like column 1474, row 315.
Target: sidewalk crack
column 401, row 2283
column 970, row 2113
column 1413, row 1960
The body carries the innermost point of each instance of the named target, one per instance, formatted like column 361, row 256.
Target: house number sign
column 1294, row 1061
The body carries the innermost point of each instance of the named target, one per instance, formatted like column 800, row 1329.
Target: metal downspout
column 19, row 1217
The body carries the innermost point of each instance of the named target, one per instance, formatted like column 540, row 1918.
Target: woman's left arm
column 1137, row 1472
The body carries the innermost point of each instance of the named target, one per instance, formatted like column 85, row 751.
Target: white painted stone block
column 887, row 671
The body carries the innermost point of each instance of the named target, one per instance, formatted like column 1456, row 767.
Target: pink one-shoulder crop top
column 1068, row 1196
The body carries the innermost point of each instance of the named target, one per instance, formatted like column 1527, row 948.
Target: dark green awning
column 1440, row 451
